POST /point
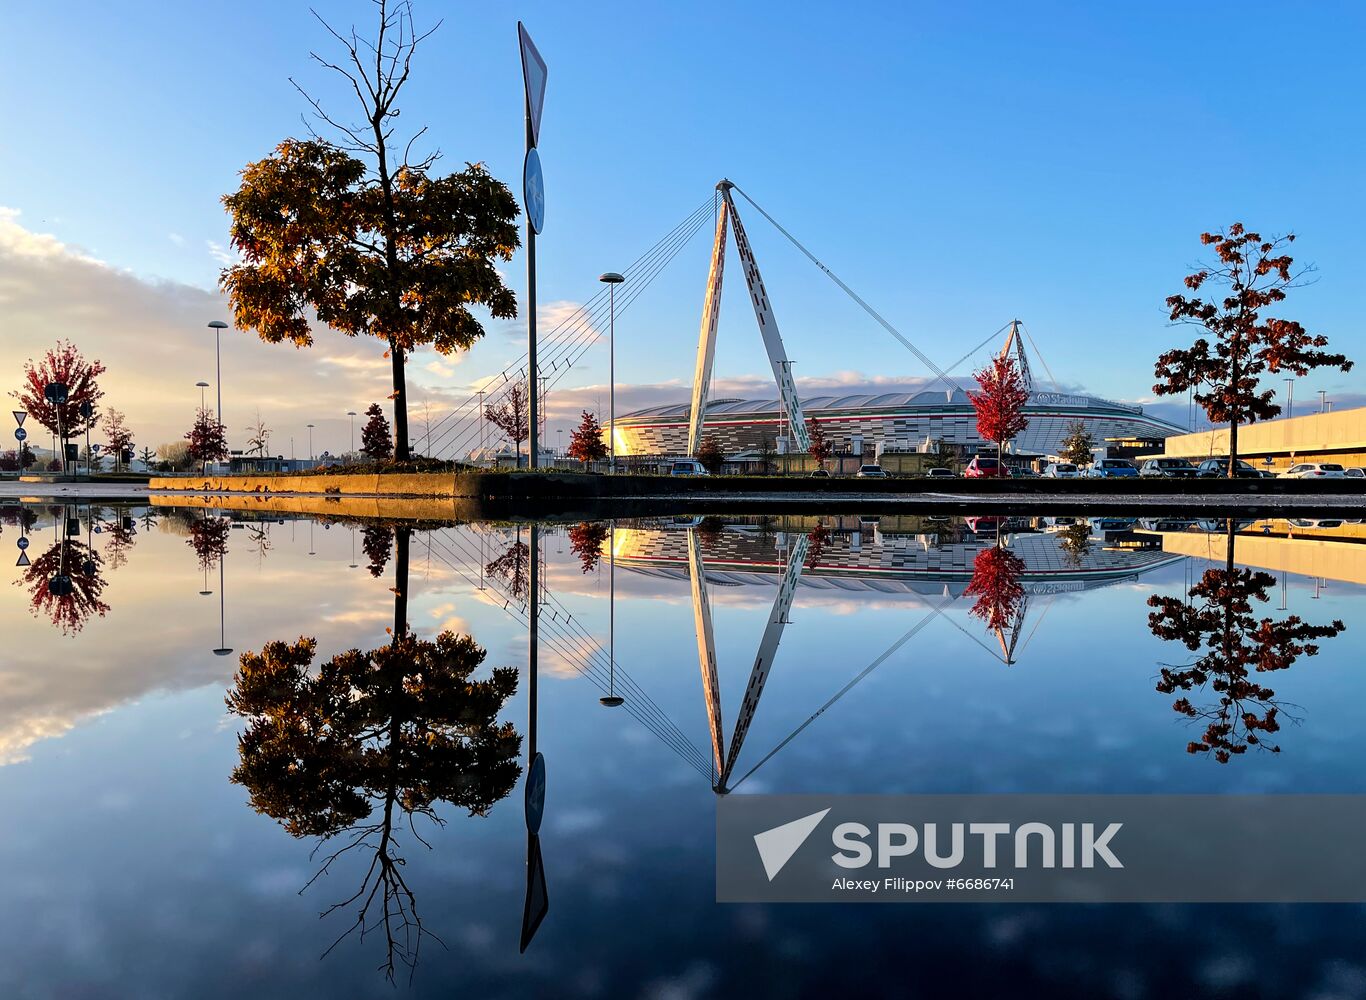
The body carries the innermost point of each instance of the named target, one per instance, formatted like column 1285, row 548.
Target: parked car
column 940, row 473
column 1111, row 468
column 1167, row 468
column 1314, row 470
column 819, row 474
column 1062, row 470
column 984, row 467
column 1352, row 472
column 871, row 472
column 688, row 467
column 1024, row 472
column 1217, row 468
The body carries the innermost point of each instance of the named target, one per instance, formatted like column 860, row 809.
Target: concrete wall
column 1339, row 436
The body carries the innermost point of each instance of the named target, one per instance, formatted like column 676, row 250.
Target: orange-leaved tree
column 585, row 441
column 1000, row 401
column 365, row 235
column 1224, row 369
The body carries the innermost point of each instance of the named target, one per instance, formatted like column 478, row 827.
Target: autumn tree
column 816, row 541
column 513, row 566
column 258, row 437
column 65, row 584
column 1223, row 369
column 510, row 416
column 1218, row 619
column 376, row 443
column 1075, row 541
column 711, row 456
column 821, row 448
column 1077, row 445
column 362, row 232
column 176, row 455
column 118, row 438
column 209, row 539
column 585, row 441
column 208, row 439
column 66, row 365
column 585, row 541
column 377, row 541
column 1000, row 401
column 997, row 584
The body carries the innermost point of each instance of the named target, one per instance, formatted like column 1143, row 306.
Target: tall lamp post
column 1289, row 397
column 310, row 442
column 201, row 386
column 611, row 279
column 218, row 326
column 352, row 415
column 1323, row 399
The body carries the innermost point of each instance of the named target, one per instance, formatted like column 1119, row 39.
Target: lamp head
column 611, row 278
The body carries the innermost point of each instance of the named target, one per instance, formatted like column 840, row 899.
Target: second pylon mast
column 768, row 329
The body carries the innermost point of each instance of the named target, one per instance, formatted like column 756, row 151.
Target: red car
column 982, row 467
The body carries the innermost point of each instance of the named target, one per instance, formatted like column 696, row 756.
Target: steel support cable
column 851, row 293
column 602, row 293
column 970, row 353
column 629, row 684
column 694, row 758
column 888, row 652
column 658, row 724
column 588, row 334
column 578, row 332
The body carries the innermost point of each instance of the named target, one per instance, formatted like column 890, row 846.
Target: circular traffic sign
column 20, row 434
column 22, row 542
column 535, row 793
column 87, row 409
column 533, row 191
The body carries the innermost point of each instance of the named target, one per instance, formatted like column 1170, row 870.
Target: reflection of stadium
column 896, row 554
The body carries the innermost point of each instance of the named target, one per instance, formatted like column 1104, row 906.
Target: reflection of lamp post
column 612, row 279
column 222, row 649
column 353, row 549
column 310, row 442
column 613, row 699
column 352, row 415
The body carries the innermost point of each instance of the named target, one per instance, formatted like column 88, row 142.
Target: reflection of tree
column 817, row 539
column 1075, row 541
column 370, row 740
column 513, row 566
column 585, row 541
column 119, row 535
column 1221, row 623
column 377, row 541
column 995, row 583
column 65, row 584
column 209, row 539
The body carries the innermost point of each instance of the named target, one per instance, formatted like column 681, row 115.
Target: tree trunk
column 401, row 548
column 400, row 402
column 1233, row 412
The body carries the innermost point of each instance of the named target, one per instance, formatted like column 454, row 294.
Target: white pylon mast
column 768, row 328
column 1015, row 340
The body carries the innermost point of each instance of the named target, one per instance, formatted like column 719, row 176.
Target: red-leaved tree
column 119, row 437
column 585, row 541
column 208, row 438
column 585, row 441
column 821, row 447
column 64, row 364
column 1000, row 401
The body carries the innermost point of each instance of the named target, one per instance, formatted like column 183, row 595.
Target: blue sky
column 958, row 165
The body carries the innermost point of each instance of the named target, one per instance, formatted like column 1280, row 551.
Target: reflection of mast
column 1008, row 635
column 537, row 901
column 612, row 699
column 763, row 661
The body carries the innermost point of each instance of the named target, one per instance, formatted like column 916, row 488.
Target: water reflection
column 357, row 750
column 1218, row 618
column 65, row 582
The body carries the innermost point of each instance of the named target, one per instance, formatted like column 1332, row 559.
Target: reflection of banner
column 537, row 900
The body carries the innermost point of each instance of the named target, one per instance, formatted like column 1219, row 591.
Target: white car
column 1352, row 472
column 1314, row 470
column 941, row 473
column 871, row 472
column 1062, row 470
column 688, row 467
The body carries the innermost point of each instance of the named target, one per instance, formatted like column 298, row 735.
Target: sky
column 957, row 165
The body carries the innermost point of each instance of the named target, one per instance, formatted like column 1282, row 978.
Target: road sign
column 23, row 559
column 19, row 417
column 22, row 542
column 87, row 409
column 533, row 191
column 55, row 392
column 20, row 434
column 533, row 77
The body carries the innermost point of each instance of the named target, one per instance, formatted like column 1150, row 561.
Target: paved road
column 13, row 490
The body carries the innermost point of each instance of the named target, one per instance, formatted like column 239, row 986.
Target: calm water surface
column 156, row 843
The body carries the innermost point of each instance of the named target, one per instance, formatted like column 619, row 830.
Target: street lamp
column 310, row 442
column 1323, row 397
column 1289, row 397
column 201, row 386
column 611, row 279
column 352, row 415
column 218, row 326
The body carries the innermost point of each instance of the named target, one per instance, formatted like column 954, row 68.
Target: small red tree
column 208, row 439
column 585, row 441
column 1224, row 376
column 821, row 448
column 711, row 456
column 64, row 364
column 1000, row 402
column 996, row 574
column 510, row 416
column 376, row 442
column 120, row 438
column 585, row 541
